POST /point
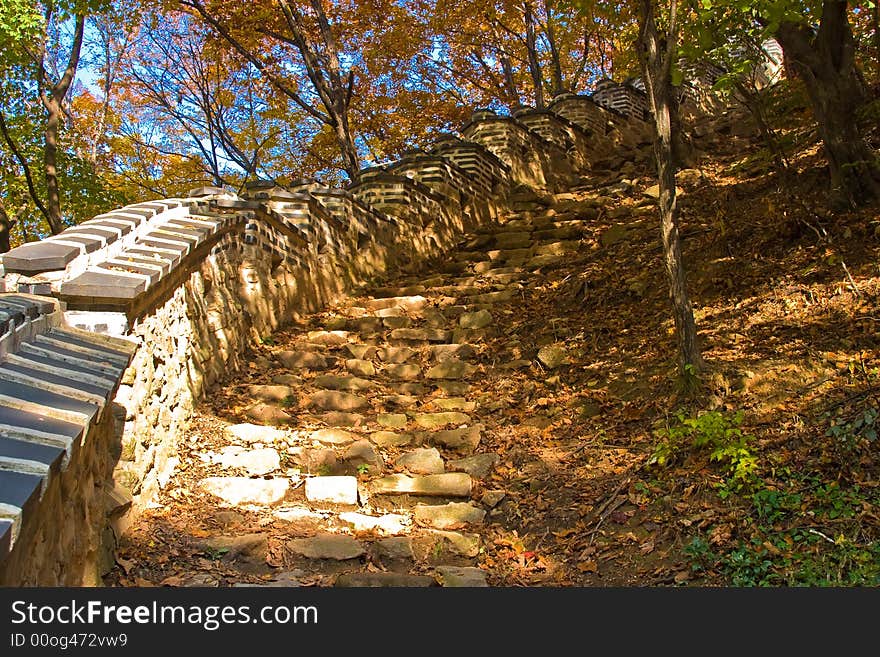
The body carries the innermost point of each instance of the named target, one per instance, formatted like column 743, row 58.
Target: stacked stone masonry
column 114, row 329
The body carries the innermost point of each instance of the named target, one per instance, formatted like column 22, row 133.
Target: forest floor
column 612, row 475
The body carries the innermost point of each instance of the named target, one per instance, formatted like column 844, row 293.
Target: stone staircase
column 359, row 451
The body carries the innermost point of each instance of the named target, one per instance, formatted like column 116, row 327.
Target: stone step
column 461, row 576
column 410, row 303
column 410, row 335
column 334, row 382
column 454, row 515
column 454, row 484
column 405, row 291
column 387, row 579
column 423, row 461
column 338, row 547
column 333, row 400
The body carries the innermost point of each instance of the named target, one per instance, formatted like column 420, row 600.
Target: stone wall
column 191, row 282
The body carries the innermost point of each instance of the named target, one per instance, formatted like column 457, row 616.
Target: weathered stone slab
column 477, row 320
column 390, row 439
column 392, row 420
column 437, row 420
column 450, row 387
column 411, row 388
column 456, row 484
column 332, row 400
column 443, row 352
column 333, row 436
column 461, row 576
column 256, row 462
column 390, row 523
column 463, row 440
column 557, row 248
column 383, row 580
column 254, row 545
column 454, row 515
column 327, row 546
column 302, row 360
column 403, row 372
column 271, row 393
column 332, row 382
column 360, row 367
column 243, row 490
column 268, row 414
column 492, row 498
column 362, row 351
column 314, row 459
column 342, row 419
column 363, row 325
column 396, row 548
column 513, row 240
column 254, row 433
column 422, row 461
column 361, row 453
column 454, row 404
column 477, row 466
column 465, row 545
column 328, row 338
column 396, row 354
column 411, row 303
column 552, row 356
column 338, row 490
column 421, row 335
column 451, row 368
column 287, row 380
column 396, row 322
column 402, row 401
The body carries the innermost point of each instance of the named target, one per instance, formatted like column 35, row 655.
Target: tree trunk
column 6, row 224
column 656, row 57
column 351, row 159
column 876, row 27
column 534, row 64
column 825, row 61
column 558, row 80
column 53, row 97
column 510, row 82
column 50, row 166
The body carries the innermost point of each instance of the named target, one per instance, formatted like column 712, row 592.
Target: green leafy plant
column 716, row 432
column 215, row 554
column 363, row 468
column 701, row 555
column 853, row 431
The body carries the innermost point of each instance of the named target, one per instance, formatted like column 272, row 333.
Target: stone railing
column 114, row 329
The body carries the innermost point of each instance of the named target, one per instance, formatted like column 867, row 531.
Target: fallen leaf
column 590, row 566
column 127, row 564
column 647, row 547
